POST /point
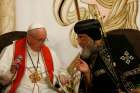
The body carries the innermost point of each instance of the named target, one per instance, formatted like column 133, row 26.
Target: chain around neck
column 35, row 67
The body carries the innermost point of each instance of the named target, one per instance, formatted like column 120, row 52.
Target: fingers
column 137, row 90
column 82, row 61
column 79, row 61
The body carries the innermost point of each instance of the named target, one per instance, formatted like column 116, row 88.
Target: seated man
column 97, row 74
column 96, row 62
column 28, row 66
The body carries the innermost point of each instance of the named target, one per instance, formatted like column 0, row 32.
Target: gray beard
column 87, row 52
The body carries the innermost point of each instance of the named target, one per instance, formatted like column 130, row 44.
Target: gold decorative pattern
column 106, row 3
column 35, row 77
column 122, row 14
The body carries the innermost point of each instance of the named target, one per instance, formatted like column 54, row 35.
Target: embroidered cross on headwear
column 127, row 58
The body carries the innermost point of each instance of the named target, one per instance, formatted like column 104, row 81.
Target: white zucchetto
column 34, row 26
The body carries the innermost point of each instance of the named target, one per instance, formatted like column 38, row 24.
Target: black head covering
column 91, row 27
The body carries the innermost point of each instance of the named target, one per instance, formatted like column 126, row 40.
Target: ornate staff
column 73, row 35
column 77, row 9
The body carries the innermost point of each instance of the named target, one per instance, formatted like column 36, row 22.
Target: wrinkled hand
column 6, row 79
column 82, row 66
column 137, row 90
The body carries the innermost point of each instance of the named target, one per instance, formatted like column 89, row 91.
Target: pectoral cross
column 35, row 77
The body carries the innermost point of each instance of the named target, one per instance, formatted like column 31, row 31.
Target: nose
column 81, row 43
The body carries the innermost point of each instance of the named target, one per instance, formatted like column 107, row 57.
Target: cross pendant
column 35, row 77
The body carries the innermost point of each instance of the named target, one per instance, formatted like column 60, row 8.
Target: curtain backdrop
column 7, row 16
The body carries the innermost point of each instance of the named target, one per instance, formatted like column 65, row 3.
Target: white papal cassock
column 26, row 86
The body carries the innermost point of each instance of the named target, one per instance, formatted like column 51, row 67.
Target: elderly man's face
column 36, row 38
column 87, row 44
column 85, row 41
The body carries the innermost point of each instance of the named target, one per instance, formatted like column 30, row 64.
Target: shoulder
column 7, row 49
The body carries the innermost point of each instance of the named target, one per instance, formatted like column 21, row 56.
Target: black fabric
column 102, row 83
column 119, row 44
column 8, row 38
column 119, row 47
column 133, row 36
column 91, row 27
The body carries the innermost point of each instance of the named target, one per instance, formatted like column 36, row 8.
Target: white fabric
column 26, row 86
column 34, row 26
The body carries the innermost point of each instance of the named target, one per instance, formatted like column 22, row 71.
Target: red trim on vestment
column 49, row 63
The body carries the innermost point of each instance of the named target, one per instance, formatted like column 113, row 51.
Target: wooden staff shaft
column 77, row 9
